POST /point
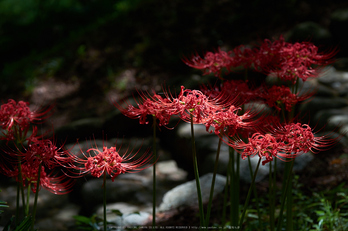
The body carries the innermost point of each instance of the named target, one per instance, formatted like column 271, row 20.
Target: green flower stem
column 17, row 203
column 234, row 188
column 36, row 195
column 255, row 193
column 289, row 199
column 20, row 191
column 249, row 194
column 271, row 195
column 228, row 181
column 154, row 175
column 284, row 193
column 20, row 188
column 104, row 201
column 213, row 184
column 28, row 198
column 195, row 169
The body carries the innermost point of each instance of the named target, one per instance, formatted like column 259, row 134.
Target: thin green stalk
column 195, row 169
column 234, row 190
column 154, row 175
column 271, row 197
column 20, row 186
column 20, row 192
column 284, row 194
column 249, row 194
column 28, row 198
column 213, row 184
column 104, row 201
column 17, row 204
column 289, row 199
column 228, row 181
column 254, row 190
column 36, row 195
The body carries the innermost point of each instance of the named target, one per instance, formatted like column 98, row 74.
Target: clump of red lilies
column 225, row 109
column 36, row 162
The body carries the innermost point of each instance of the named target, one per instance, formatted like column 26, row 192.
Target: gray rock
column 323, row 118
column 318, row 107
column 136, row 219
column 185, row 195
column 184, row 130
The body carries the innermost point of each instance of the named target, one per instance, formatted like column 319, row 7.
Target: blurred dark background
column 82, row 55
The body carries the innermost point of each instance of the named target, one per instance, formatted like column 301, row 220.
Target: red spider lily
column 46, row 152
column 109, row 160
column 290, row 61
column 154, row 105
column 284, row 142
column 212, row 62
column 237, row 92
column 242, row 57
column 36, row 148
column 50, row 181
column 194, row 103
column 286, row 60
column 215, row 62
column 229, row 122
column 265, row 146
column 267, row 56
column 300, row 138
column 277, row 95
column 16, row 118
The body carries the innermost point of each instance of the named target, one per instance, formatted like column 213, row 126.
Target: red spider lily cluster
column 15, row 119
column 285, row 60
column 221, row 107
column 36, row 162
column 286, row 142
column 27, row 154
column 191, row 105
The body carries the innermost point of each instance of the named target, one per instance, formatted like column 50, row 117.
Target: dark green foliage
column 327, row 210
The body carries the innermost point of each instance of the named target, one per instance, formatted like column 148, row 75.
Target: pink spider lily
column 15, row 118
column 109, row 161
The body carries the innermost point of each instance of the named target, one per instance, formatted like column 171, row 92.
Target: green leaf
column 82, row 219
column 25, row 224
column 117, row 212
